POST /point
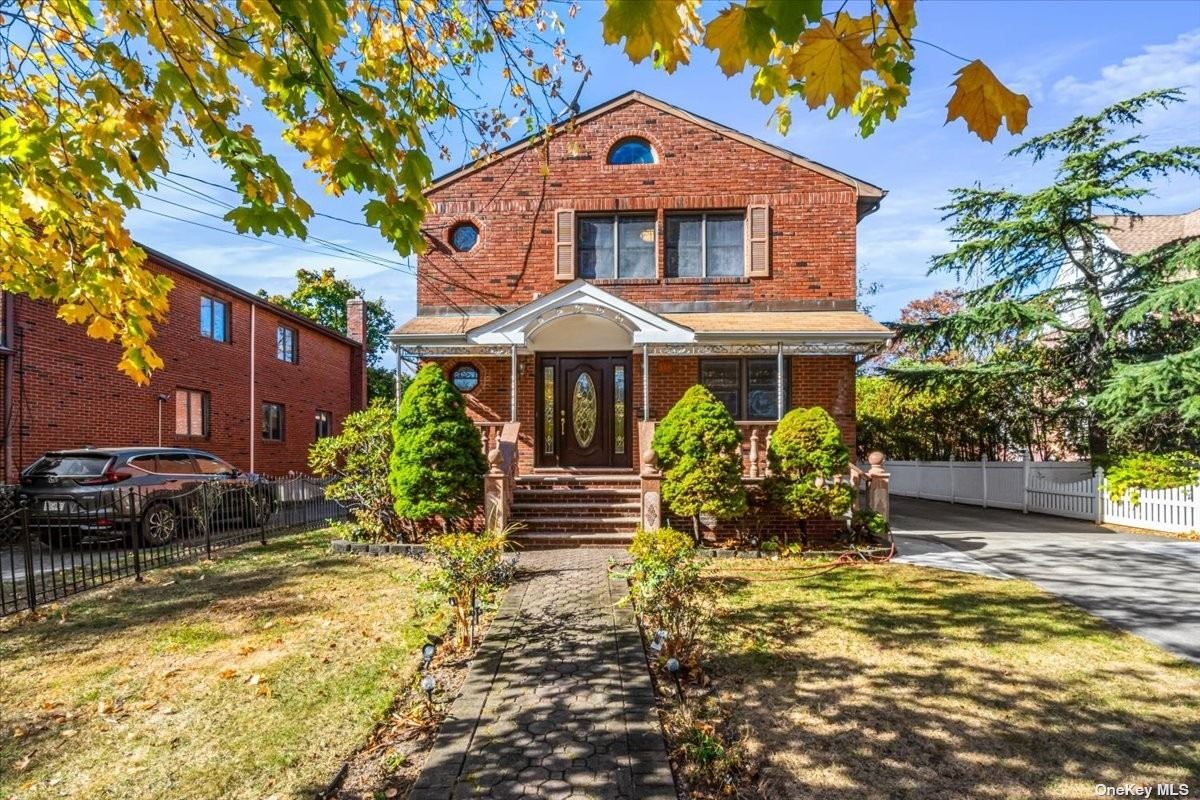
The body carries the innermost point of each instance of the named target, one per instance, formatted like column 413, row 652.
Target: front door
column 583, row 411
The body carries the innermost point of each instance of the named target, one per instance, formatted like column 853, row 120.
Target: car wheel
column 159, row 525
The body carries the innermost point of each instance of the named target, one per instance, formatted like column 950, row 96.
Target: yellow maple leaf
column 982, row 101
column 665, row 30
column 831, row 59
column 101, row 328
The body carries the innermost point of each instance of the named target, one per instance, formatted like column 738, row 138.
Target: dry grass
column 890, row 681
column 253, row 676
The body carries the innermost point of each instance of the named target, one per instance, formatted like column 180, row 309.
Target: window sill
column 271, row 441
column 738, row 279
column 622, row 281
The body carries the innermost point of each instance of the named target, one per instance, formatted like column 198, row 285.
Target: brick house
column 579, row 285
column 243, row 378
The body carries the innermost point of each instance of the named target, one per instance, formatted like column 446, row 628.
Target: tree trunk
column 696, row 527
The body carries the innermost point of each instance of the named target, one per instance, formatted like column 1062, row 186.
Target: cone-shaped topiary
column 699, row 450
column 437, row 464
column 807, row 446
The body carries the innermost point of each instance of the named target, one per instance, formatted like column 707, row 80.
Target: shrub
column 868, row 527
column 806, row 455
column 357, row 458
column 665, row 585
column 466, row 566
column 699, row 450
column 437, row 464
column 1131, row 473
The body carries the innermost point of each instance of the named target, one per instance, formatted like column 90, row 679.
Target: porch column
column 399, row 361
column 645, row 382
column 512, row 385
column 779, row 382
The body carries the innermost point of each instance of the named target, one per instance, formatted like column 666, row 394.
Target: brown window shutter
column 758, row 242
column 564, row 244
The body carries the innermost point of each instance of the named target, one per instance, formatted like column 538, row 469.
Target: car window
column 175, row 464
column 70, row 465
column 212, row 466
column 143, row 462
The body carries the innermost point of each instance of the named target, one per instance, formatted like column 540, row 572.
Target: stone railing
column 501, row 475
column 756, row 438
column 871, row 485
column 490, row 432
column 651, row 477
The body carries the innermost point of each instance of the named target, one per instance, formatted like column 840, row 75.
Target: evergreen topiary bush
column 805, row 456
column 699, row 451
column 437, row 463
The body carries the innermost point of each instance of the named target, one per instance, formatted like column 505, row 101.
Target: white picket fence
column 1060, row 488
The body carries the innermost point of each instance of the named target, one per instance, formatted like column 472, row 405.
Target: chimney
column 356, row 329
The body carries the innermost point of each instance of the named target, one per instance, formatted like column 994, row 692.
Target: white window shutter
column 758, row 242
column 564, row 244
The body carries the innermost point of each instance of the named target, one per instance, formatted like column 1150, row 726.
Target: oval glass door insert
column 583, row 404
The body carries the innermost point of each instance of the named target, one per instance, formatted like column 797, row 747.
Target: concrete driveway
column 1147, row 585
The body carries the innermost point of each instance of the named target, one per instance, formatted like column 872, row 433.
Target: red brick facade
column 63, row 389
column 514, row 199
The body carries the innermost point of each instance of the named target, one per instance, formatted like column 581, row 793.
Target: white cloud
column 1158, row 66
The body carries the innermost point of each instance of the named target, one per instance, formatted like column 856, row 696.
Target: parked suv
column 163, row 491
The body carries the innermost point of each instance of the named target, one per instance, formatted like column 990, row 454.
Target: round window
column 464, row 237
column 632, row 150
column 465, row 377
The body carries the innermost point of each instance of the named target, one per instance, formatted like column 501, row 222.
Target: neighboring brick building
column 638, row 240
column 260, row 407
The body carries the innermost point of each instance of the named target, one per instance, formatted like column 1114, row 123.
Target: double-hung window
column 749, row 387
column 616, row 246
column 324, row 423
column 710, row 245
column 285, row 344
column 191, row 413
column 214, row 319
column 272, row 422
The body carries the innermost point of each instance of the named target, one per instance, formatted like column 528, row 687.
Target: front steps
column 576, row 509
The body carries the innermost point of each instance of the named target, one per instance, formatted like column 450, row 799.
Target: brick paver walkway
column 558, row 702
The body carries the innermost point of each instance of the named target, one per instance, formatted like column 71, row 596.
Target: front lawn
column 889, row 681
column 253, row 676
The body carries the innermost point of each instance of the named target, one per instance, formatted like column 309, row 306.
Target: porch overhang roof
column 796, row 332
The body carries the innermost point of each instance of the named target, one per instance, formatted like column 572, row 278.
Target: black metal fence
column 55, row 546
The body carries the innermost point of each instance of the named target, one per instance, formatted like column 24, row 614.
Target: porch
column 566, row 389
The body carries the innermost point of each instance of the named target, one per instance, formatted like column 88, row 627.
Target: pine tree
column 437, row 465
column 699, row 448
column 1115, row 333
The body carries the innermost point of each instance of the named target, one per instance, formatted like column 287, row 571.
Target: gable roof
column 1136, row 235
column 869, row 195
column 164, row 260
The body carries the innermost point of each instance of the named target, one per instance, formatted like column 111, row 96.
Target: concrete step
column 576, row 491
column 568, row 523
column 544, row 540
column 521, row 506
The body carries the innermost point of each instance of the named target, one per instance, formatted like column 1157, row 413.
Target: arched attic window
column 631, row 150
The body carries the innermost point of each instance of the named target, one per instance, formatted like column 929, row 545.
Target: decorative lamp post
column 673, row 668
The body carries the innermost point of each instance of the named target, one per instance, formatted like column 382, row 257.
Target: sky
column 1070, row 58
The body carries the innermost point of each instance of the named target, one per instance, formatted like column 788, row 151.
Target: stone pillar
column 651, row 490
column 877, row 486
column 495, row 493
